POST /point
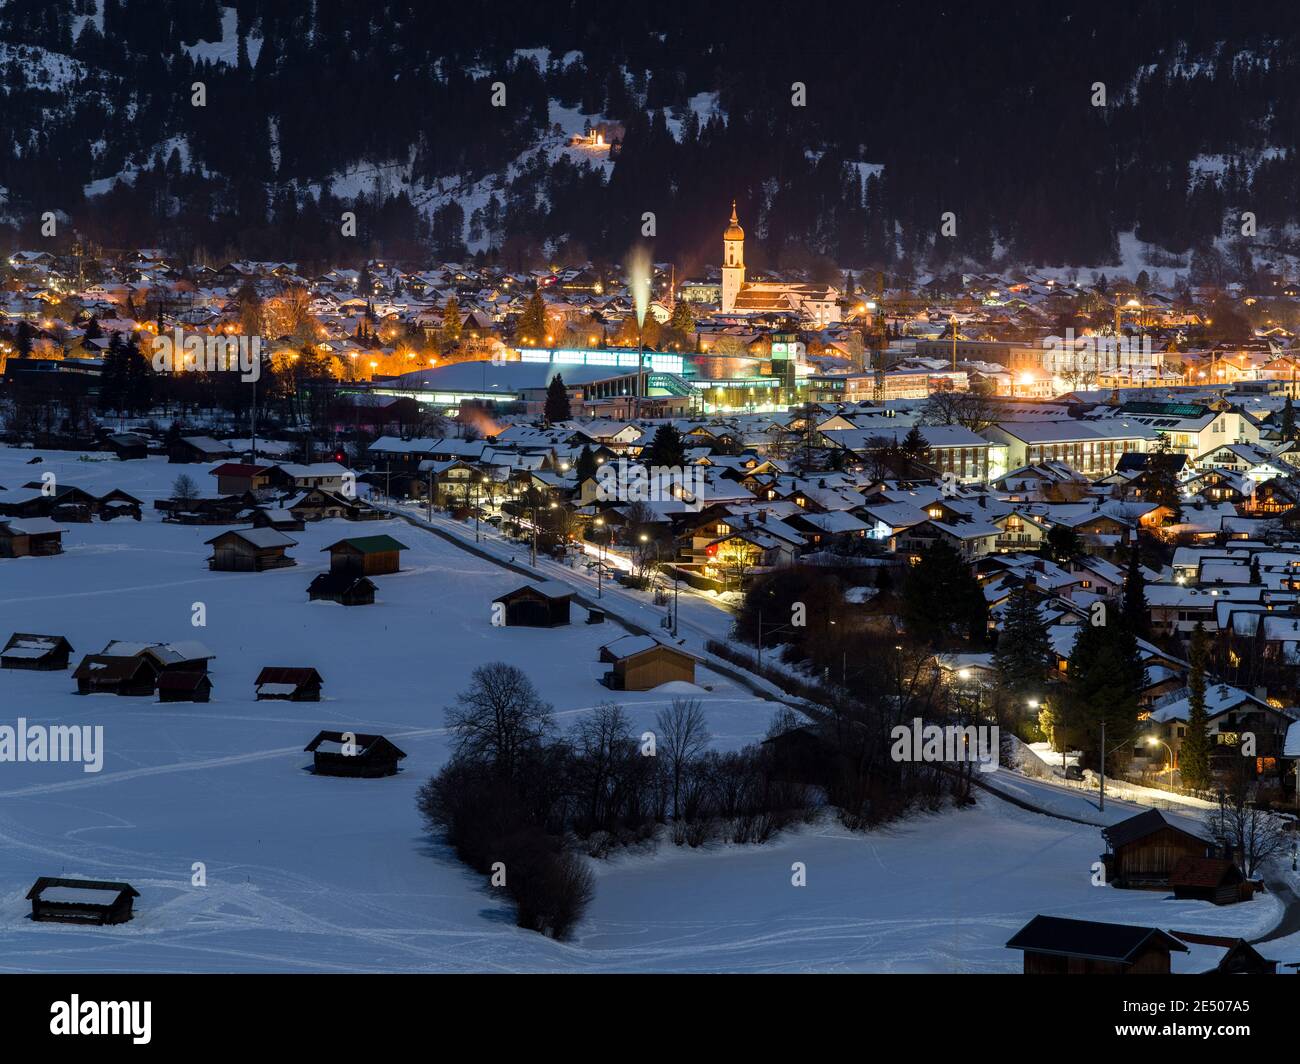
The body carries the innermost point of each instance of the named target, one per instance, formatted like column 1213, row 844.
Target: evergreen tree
column 586, row 465
column 451, row 321
column 914, row 446
column 1287, row 424
column 532, row 323
column 1136, row 612
column 1062, row 543
column 1194, row 756
column 682, row 320
column 1162, row 482
column 942, row 602
column 666, row 449
column 1104, row 679
column 1024, row 653
column 557, row 401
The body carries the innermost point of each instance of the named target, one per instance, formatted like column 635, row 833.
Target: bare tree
column 1256, row 835
column 498, row 717
column 683, row 737
column 184, row 489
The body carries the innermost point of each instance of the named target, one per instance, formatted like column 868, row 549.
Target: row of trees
column 516, row 792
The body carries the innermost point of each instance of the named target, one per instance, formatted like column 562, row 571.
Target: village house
column 1143, row 851
column 236, row 478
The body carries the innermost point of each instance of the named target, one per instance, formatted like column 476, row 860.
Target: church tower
column 733, row 262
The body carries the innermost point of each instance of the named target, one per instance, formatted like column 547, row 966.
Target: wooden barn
column 347, row 589
column 81, row 901
column 235, row 478
column 1053, row 945
column 1143, row 850
column 365, row 555
column 44, row 653
column 31, row 537
column 184, row 686
column 1229, row 956
column 250, row 550
column 288, row 684
column 353, row 754
column 107, row 674
column 1215, row 879
column 642, row 663
column 543, row 604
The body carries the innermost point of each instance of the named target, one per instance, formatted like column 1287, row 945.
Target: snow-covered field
column 316, row 874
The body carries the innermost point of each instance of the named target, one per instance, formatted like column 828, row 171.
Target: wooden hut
column 250, row 550
column 1215, row 879
column 235, row 478
column 81, row 901
column 44, row 653
column 353, row 754
column 107, row 674
column 543, row 604
column 176, row 686
column 365, row 555
column 1053, row 945
column 641, row 663
column 347, row 589
column 1143, row 850
column 288, row 685
column 1231, row 956
column 31, row 537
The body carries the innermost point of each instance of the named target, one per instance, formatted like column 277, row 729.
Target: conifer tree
column 586, row 465
column 1024, row 653
column 532, row 323
column 942, row 602
column 666, row 449
column 1136, row 612
column 1104, row 679
column 1194, row 756
column 557, row 401
column 451, row 320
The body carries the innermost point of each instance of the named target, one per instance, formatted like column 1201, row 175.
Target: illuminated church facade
column 817, row 303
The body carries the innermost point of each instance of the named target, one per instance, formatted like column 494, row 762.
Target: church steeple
column 733, row 261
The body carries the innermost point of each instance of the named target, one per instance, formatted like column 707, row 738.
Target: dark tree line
column 1195, row 93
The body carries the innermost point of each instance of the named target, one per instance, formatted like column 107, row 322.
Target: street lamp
column 1153, row 741
column 600, row 558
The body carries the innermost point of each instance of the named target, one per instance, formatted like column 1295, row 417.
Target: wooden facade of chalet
column 277, row 683
column 1056, row 946
column 1144, row 850
column 353, row 754
column 42, row 653
column 235, row 478
column 81, row 901
column 543, row 604
column 642, row 663
column 250, row 550
column 365, row 555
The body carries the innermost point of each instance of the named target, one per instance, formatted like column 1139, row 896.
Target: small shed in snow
column 1053, row 945
column 641, row 663
column 250, row 550
column 353, row 754
column 288, row 685
column 347, row 589
column 183, row 686
column 539, row 604
column 44, row 653
column 365, row 555
column 81, row 901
